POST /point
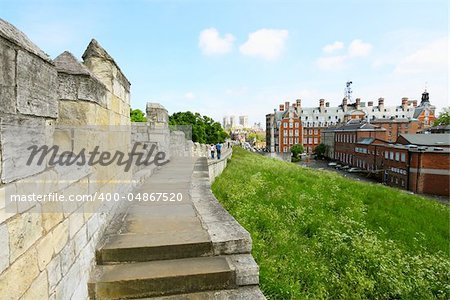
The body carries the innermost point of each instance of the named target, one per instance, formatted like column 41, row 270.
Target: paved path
column 161, row 248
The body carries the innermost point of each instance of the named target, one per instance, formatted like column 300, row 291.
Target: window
column 296, row 124
column 305, row 141
column 310, row 141
column 310, row 131
column 316, row 140
column 291, row 132
column 391, row 155
column 291, row 124
column 285, row 132
column 296, row 140
column 291, row 141
column 285, row 140
column 403, row 158
column 285, row 125
column 397, row 156
column 316, row 131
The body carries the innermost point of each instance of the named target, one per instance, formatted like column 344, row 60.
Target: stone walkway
column 166, row 248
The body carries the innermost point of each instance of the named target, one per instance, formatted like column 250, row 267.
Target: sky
column 246, row 57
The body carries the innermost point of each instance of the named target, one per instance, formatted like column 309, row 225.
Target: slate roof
column 435, row 139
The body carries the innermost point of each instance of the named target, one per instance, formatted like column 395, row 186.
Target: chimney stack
column 358, row 102
column 370, row 103
column 299, row 103
column 321, row 103
column 327, row 104
column 281, row 107
column 405, row 102
column 414, row 103
column 381, row 102
column 286, row 105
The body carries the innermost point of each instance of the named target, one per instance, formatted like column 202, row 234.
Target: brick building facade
column 405, row 118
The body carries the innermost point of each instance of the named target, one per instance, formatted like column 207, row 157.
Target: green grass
column 317, row 235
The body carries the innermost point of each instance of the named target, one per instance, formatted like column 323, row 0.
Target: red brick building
column 347, row 136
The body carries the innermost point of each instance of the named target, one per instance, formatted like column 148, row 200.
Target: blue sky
column 246, row 57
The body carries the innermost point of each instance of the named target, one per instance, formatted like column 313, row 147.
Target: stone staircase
column 189, row 249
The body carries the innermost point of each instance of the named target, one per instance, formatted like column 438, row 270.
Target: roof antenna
column 348, row 91
column 426, row 85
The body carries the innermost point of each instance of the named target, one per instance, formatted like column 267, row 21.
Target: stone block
column 63, row 139
column 90, row 89
column 38, row 289
column 7, row 78
column 76, row 221
column 60, row 235
column 15, row 153
column 4, row 247
column 36, row 86
column 51, row 215
column 45, row 251
column 67, row 87
column 24, row 231
column 76, row 113
column 20, row 275
column 54, row 272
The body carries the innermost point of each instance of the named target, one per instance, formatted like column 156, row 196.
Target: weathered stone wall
column 47, row 249
column 216, row 166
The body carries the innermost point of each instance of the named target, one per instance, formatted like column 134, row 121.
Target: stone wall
column 216, row 166
column 47, row 249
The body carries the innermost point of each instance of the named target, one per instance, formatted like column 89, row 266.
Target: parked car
column 345, row 167
column 332, row 164
column 354, row 170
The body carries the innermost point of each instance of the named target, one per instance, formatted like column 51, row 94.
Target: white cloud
column 359, row 48
column 431, row 58
column 265, row 43
column 333, row 47
column 210, row 42
column 331, row 63
column 189, row 95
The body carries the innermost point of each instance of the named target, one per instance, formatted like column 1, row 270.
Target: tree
column 137, row 115
column 444, row 118
column 320, row 150
column 296, row 150
column 204, row 129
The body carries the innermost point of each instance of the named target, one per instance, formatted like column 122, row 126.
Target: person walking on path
column 219, row 149
column 213, row 149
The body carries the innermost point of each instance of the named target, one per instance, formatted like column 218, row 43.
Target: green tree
column 444, row 117
column 320, row 150
column 204, row 129
column 137, row 115
column 296, row 150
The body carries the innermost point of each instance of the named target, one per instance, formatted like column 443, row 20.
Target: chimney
column 281, row 107
column 327, row 104
column 405, row 102
column 358, row 102
column 414, row 103
column 321, row 103
column 286, row 105
column 299, row 103
column 381, row 102
column 370, row 103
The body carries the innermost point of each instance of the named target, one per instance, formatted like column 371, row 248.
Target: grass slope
column 318, row 235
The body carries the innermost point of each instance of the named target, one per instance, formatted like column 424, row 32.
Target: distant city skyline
column 216, row 58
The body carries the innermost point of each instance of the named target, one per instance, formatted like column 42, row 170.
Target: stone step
column 156, row 246
column 161, row 278
column 241, row 293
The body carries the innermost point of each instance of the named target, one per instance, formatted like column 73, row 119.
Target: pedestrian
column 213, row 149
column 219, row 149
